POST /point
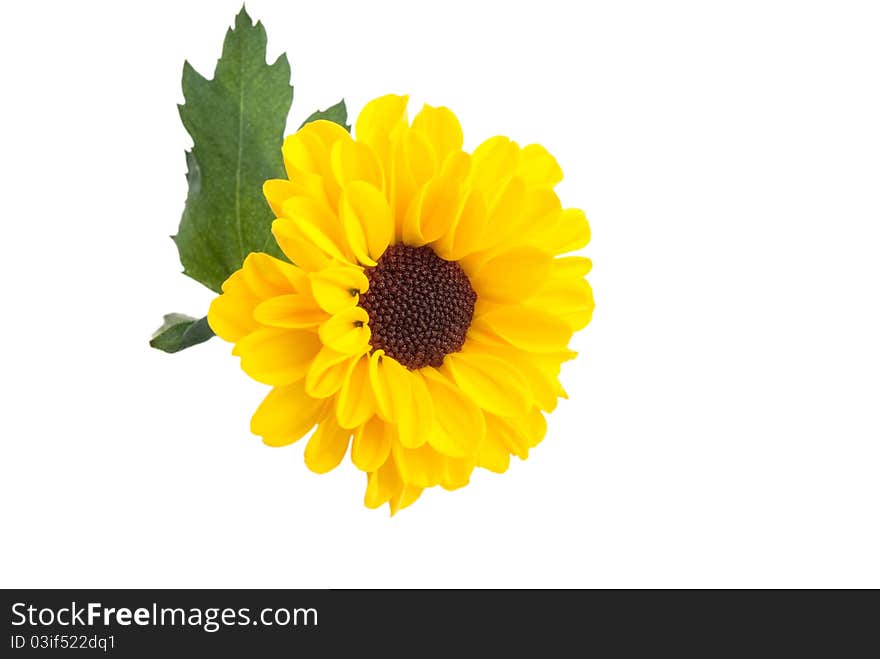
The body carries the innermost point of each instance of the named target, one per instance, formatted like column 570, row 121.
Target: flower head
column 427, row 306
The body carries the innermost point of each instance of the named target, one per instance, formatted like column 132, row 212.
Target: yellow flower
column 430, row 307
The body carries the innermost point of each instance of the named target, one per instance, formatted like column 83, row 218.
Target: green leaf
column 237, row 124
column 338, row 114
column 180, row 331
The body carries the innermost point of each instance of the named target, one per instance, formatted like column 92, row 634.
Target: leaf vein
column 240, row 148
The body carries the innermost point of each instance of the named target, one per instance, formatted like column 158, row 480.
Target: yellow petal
column 490, row 382
column 337, row 288
column 380, row 124
column 439, row 207
column 512, row 275
column 367, row 220
column 406, row 496
column 231, row 314
column 329, row 132
column 286, row 414
column 570, row 232
column 413, row 164
column 402, row 398
column 307, row 157
column 355, row 403
column 457, row 167
column 418, row 156
column 356, row 161
column 382, row 485
column 327, row 445
column 505, row 212
column 267, row 276
column 493, row 453
column 433, row 212
column 526, row 328
column 494, row 162
column 456, row 473
column 538, row 167
column 459, row 425
column 549, row 365
column 519, row 434
column 466, row 234
column 372, row 444
column 416, row 420
column 534, row 427
column 578, row 320
column 509, row 434
column 277, row 356
column 570, row 299
column 292, row 311
column 572, row 267
column 260, row 277
column 385, row 485
column 379, row 120
column 347, row 331
column 442, row 129
column 302, row 184
column 421, row 467
column 301, row 154
column 320, row 225
column 539, row 371
column 327, row 372
column 541, row 209
column 277, row 191
column 298, row 246
column 391, row 385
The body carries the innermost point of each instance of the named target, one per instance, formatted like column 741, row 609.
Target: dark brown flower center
column 420, row 306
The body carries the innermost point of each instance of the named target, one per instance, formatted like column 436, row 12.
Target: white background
column 723, row 424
